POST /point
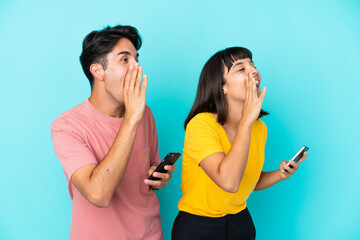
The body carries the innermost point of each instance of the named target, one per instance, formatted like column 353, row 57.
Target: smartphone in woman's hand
column 298, row 155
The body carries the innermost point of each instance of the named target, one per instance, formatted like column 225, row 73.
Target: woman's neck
column 235, row 111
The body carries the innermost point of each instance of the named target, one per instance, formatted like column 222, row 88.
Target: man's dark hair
column 210, row 96
column 98, row 44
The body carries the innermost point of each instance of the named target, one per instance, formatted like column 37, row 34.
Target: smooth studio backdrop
column 307, row 52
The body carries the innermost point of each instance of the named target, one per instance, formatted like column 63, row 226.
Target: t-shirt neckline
column 101, row 115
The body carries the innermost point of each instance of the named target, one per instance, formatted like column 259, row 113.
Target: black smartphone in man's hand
column 170, row 159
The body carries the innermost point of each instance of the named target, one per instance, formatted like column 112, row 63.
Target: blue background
column 308, row 53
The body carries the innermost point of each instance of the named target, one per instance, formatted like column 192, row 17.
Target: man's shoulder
column 67, row 118
column 148, row 115
column 147, row 110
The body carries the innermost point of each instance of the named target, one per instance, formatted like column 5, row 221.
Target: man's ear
column 98, row 71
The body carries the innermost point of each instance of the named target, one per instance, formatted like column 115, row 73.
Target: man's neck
column 107, row 105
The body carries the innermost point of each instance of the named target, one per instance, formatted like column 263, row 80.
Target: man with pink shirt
column 108, row 145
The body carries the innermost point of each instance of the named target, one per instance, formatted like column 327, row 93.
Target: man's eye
column 124, row 59
column 241, row 69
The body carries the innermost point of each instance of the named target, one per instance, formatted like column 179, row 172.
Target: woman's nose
column 254, row 73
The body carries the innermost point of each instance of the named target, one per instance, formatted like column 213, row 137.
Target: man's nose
column 133, row 61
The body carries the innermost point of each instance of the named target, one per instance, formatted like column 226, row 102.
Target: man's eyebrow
column 124, row 52
column 128, row 53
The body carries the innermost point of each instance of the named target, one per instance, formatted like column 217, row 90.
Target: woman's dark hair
column 210, row 96
column 98, row 44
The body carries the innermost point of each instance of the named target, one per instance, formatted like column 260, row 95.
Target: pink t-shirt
column 82, row 136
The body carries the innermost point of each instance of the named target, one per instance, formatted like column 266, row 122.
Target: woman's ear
column 225, row 90
column 97, row 71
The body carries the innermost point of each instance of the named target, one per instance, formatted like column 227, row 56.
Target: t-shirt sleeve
column 154, row 142
column 201, row 139
column 263, row 130
column 70, row 148
column 265, row 133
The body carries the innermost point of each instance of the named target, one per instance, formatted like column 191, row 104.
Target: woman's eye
column 124, row 59
column 241, row 69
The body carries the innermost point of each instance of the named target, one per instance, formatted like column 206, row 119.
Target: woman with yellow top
column 224, row 151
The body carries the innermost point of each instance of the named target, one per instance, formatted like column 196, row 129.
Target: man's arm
column 165, row 177
column 98, row 182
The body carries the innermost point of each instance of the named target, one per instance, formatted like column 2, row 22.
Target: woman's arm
column 268, row 179
column 227, row 170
